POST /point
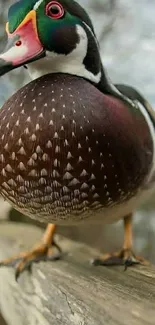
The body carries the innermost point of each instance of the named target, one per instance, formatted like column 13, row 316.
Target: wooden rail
column 72, row 291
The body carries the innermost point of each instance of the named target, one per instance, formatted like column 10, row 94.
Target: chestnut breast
column 66, row 149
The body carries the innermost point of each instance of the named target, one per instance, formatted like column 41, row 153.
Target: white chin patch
column 71, row 63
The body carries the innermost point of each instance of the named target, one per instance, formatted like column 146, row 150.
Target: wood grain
column 72, row 291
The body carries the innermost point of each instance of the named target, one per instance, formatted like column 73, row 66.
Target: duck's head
column 51, row 36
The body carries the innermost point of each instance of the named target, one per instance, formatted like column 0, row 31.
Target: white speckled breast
column 67, row 151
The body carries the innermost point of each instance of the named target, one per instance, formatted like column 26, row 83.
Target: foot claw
column 124, row 257
column 19, row 271
column 25, row 262
column 131, row 262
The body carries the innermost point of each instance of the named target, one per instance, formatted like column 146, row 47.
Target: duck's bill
column 23, row 45
column 7, row 66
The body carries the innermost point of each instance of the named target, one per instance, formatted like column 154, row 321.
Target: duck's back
column 68, row 150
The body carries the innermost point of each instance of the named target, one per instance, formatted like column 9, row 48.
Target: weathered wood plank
column 71, row 291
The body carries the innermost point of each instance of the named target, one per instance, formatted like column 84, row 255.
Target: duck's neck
column 83, row 60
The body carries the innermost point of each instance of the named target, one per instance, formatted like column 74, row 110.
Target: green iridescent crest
column 20, row 9
column 17, row 13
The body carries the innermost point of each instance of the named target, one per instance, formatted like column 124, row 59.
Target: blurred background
column 126, row 32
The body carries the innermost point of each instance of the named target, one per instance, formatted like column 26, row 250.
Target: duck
column 74, row 148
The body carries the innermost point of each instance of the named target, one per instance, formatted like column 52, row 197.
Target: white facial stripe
column 107, row 77
column 38, row 3
column 71, row 63
column 91, row 32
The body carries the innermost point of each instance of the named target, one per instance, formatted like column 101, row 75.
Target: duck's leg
column 125, row 256
column 41, row 251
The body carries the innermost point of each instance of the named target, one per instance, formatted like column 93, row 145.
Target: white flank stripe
column 152, row 131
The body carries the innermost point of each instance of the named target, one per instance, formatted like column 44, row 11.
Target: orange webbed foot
column 41, row 252
column 124, row 257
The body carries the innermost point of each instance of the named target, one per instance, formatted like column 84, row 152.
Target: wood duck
column 74, row 148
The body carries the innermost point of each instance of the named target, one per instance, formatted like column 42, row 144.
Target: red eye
column 54, row 10
column 18, row 43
